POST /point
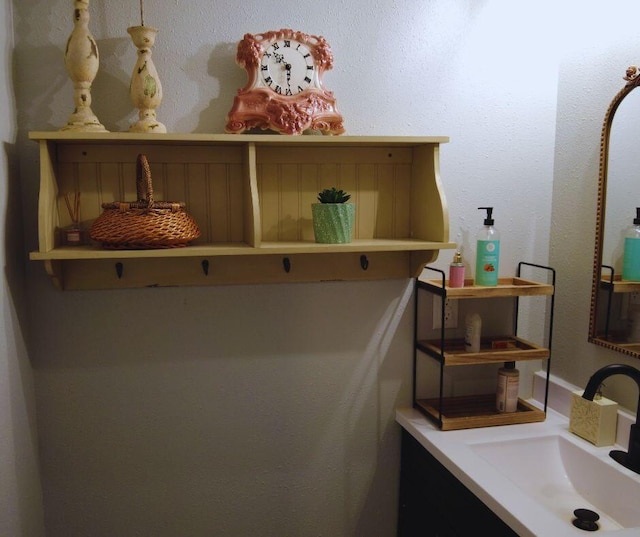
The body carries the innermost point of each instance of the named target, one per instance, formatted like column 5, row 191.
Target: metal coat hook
column 119, row 269
column 205, row 267
column 286, row 263
column 364, row 262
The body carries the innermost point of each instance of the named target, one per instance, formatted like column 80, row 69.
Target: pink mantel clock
column 284, row 91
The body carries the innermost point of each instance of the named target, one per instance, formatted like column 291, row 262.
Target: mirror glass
column 622, row 181
column 615, row 302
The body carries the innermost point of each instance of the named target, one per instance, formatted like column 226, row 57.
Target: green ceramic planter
column 333, row 222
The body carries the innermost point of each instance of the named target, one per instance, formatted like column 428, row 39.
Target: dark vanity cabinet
column 433, row 503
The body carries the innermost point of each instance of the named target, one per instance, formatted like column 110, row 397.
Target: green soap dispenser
column 631, row 256
column 487, row 251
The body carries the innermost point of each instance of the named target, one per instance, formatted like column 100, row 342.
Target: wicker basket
column 145, row 223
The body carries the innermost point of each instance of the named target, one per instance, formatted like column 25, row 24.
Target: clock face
column 287, row 67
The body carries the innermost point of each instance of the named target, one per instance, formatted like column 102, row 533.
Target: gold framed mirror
column 615, row 301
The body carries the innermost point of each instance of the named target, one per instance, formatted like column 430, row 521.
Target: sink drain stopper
column 586, row 519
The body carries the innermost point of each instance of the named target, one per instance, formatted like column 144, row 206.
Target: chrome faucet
column 630, row 459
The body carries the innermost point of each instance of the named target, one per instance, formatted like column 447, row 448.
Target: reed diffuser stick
column 73, row 208
column 141, row 12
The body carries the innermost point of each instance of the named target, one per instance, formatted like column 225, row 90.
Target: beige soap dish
column 595, row 421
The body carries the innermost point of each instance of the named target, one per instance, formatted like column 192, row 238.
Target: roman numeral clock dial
column 287, row 67
column 284, row 92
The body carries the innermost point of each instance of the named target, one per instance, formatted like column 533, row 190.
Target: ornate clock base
column 261, row 109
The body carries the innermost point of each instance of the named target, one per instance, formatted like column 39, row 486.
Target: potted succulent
column 333, row 218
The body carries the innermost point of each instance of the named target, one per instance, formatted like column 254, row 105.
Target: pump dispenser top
column 631, row 256
column 487, row 251
column 488, row 221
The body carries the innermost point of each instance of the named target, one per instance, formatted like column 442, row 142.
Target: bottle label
column 487, row 259
column 507, row 393
column 631, row 260
column 469, row 333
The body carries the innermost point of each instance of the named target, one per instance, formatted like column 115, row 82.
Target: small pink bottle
column 456, row 271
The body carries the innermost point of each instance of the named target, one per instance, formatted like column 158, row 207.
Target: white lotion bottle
column 508, row 386
column 472, row 330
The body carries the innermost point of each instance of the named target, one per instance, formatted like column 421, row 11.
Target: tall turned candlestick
column 145, row 90
column 82, row 61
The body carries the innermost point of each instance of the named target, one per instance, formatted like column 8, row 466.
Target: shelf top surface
column 505, row 287
column 223, row 249
column 191, row 138
column 620, row 286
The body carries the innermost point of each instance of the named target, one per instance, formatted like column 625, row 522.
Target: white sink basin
column 562, row 475
column 535, row 475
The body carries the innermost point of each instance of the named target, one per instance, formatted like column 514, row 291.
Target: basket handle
column 144, row 186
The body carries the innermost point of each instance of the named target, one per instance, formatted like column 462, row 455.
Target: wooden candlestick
column 145, row 90
column 81, row 60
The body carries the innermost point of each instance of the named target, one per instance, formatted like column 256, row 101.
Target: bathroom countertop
column 518, row 510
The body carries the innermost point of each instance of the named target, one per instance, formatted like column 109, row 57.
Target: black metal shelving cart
column 468, row 411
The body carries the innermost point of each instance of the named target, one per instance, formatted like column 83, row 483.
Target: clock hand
column 288, row 68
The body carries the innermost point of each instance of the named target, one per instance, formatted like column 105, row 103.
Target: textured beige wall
column 590, row 75
column 269, row 409
column 20, row 493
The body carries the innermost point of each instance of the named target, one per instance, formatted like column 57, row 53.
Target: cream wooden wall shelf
column 251, row 196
